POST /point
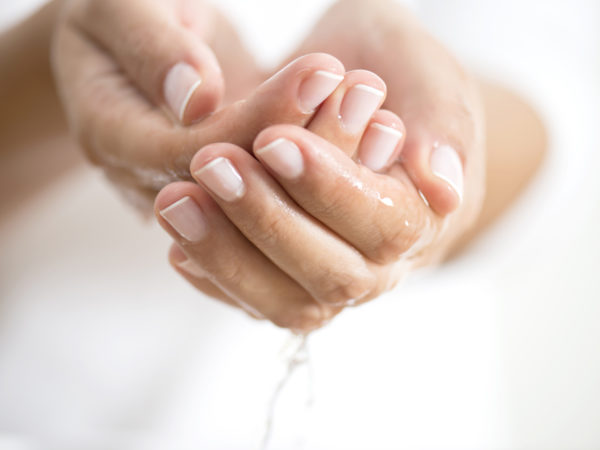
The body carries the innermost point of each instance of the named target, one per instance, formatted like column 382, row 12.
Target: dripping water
column 298, row 357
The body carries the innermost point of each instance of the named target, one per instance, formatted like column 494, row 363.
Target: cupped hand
column 133, row 73
column 296, row 246
column 298, row 234
column 320, row 218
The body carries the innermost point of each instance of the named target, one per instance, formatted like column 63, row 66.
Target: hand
column 339, row 233
column 439, row 103
column 306, row 229
column 122, row 65
column 129, row 72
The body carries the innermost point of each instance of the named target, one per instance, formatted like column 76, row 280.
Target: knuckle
column 330, row 205
column 269, row 229
column 228, row 274
column 330, row 197
column 346, row 287
column 393, row 244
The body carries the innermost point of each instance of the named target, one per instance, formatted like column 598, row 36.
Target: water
column 295, row 356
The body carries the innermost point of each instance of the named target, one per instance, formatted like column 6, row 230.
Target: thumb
column 164, row 59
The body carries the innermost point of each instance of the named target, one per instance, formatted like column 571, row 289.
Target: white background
column 101, row 346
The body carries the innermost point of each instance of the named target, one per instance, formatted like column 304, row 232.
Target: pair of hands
column 338, row 202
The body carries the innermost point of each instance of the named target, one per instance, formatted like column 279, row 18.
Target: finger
column 382, row 141
column 436, row 169
column 164, row 58
column 292, row 95
column 234, row 265
column 327, row 267
column 380, row 215
column 343, row 117
column 117, row 126
column 120, row 129
column 197, row 277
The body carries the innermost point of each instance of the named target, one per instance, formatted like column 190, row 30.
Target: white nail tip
column 271, row 145
column 181, row 82
column 316, row 88
column 388, row 130
column 187, row 99
column 333, row 76
column 172, row 206
column 447, row 165
column 370, row 89
column 213, row 163
column 222, row 178
column 186, row 218
column 192, row 268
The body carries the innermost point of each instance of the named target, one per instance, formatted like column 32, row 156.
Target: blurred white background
column 102, row 346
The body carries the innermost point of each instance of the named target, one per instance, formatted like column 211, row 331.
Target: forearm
column 35, row 148
column 30, row 111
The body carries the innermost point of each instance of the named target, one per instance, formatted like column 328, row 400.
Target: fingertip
column 315, row 62
column 301, row 86
column 441, row 197
column 171, row 193
column 382, row 141
column 211, row 152
column 274, row 132
column 437, row 172
column 176, row 256
column 195, row 87
column 209, row 94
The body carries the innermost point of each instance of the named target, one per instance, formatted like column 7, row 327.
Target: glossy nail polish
column 378, row 145
column 222, row 178
column 447, row 165
column 180, row 84
column 315, row 89
column 284, row 157
column 359, row 104
column 186, row 217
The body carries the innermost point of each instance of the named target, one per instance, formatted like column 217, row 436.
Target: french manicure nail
column 180, row 84
column 446, row 164
column 250, row 310
column 220, row 176
column 359, row 104
column 378, row 145
column 284, row 157
column 316, row 88
column 192, row 268
column 186, row 217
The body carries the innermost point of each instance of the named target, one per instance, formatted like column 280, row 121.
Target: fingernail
column 446, row 164
column 180, row 84
column 250, row 310
column 190, row 266
column 316, row 88
column 220, row 176
column 283, row 157
column 359, row 104
column 186, row 217
column 378, row 145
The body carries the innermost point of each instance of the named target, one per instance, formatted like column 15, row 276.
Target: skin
column 300, row 299
column 32, row 121
column 110, row 63
column 368, row 245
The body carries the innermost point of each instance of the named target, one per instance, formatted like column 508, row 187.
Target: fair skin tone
column 375, row 241
column 294, row 249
